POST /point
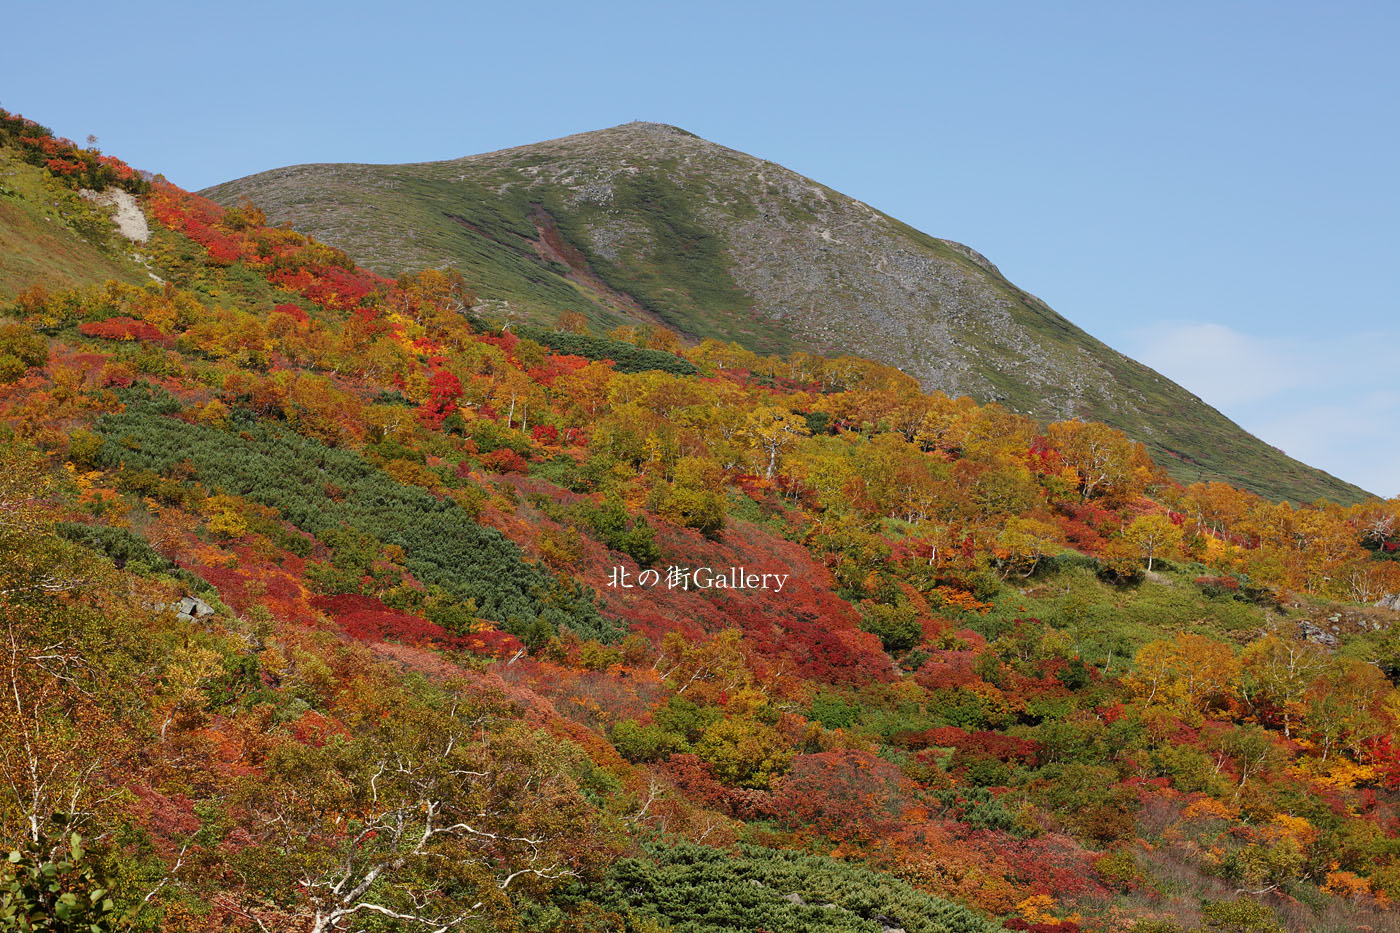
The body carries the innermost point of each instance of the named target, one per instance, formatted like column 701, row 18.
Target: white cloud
column 1328, row 401
column 1222, row 366
column 1358, row 441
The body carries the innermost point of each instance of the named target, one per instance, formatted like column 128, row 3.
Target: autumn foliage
column 311, row 586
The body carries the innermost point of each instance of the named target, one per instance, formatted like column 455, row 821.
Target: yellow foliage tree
column 1024, row 542
column 771, row 431
column 1188, row 674
column 1153, row 536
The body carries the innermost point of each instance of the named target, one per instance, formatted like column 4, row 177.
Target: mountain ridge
column 720, row 244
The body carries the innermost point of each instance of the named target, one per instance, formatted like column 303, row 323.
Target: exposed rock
column 1317, row 634
column 189, row 609
column 126, row 212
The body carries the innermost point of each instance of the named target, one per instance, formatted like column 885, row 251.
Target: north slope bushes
column 625, row 357
column 697, row 889
column 127, row 549
column 320, row 489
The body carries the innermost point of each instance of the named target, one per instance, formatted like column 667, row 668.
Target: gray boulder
column 1317, row 634
column 192, row 609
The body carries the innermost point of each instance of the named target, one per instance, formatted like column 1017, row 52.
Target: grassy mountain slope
column 647, row 222
column 52, row 237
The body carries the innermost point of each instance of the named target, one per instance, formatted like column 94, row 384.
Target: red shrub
column 292, row 311
column 163, row 816
column 491, row 643
column 122, row 328
column 843, row 795
column 696, row 781
column 982, row 744
column 444, row 389
column 1385, row 755
column 367, row 619
column 948, row 669
column 555, row 366
column 1080, row 536
column 316, row 729
column 941, row 736
column 506, row 341
column 504, row 461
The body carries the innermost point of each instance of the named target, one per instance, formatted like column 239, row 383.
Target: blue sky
column 1209, row 187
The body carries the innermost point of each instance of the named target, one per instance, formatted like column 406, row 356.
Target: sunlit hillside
column 338, row 602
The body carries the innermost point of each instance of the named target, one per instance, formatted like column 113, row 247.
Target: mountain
column 647, row 222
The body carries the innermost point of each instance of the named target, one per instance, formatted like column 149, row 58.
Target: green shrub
column 619, row 530
column 636, row 742
column 20, row 348
column 897, row 626
column 269, row 464
column 625, row 357
column 832, row 711
column 1240, row 916
column 127, row 549
column 51, row 885
column 685, row 720
column 697, row 889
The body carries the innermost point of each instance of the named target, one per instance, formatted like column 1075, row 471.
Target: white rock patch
column 126, row 214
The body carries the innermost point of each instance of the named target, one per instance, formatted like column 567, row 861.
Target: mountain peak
column 648, row 127
column 639, row 138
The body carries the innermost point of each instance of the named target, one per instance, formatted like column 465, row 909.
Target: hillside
column 646, row 222
column 51, row 236
column 330, row 602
